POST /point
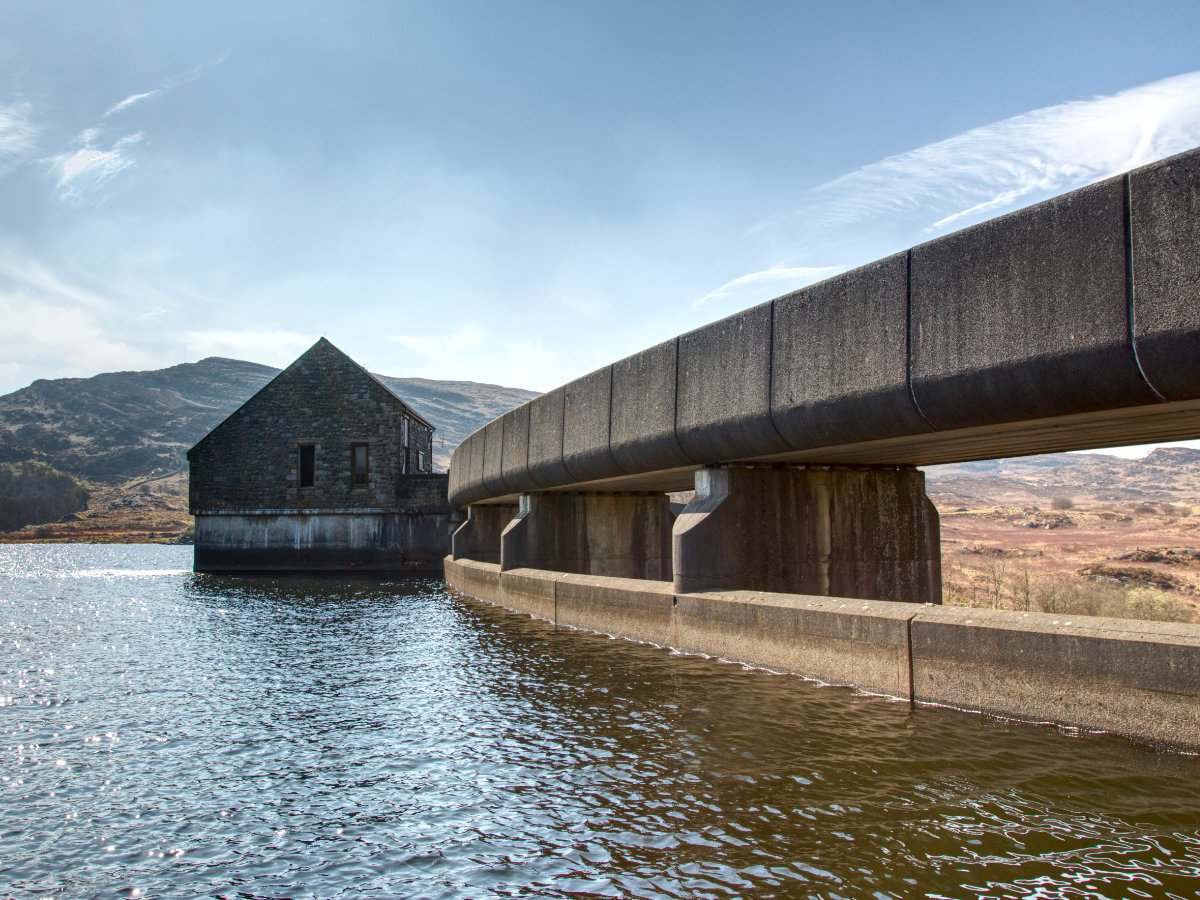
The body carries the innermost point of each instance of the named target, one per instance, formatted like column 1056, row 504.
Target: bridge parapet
column 1071, row 324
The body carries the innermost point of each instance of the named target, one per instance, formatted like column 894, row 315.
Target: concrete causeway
column 809, row 545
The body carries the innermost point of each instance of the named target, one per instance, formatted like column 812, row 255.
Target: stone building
column 324, row 469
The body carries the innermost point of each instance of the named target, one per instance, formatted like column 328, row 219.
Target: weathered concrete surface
column 862, row 643
column 869, row 533
column 477, row 579
column 530, row 591
column 492, row 435
column 840, row 363
column 546, row 467
column 478, row 538
column 1165, row 217
column 621, row 535
column 1140, row 679
column 586, row 405
column 642, row 432
column 362, row 541
column 625, row 607
column 723, row 409
column 475, row 463
column 1026, row 316
column 515, row 471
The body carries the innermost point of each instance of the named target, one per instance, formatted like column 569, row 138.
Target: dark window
column 308, row 465
column 358, row 464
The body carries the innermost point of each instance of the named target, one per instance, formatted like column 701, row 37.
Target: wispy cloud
column 17, row 132
column 92, row 161
column 443, row 345
column 54, row 327
column 982, row 171
column 130, row 101
column 766, row 284
column 89, row 165
column 170, row 84
column 271, row 346
column 25, row 276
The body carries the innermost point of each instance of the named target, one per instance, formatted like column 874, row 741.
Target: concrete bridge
column 1071, row 324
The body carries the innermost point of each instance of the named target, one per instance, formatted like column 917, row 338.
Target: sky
column 521, row 192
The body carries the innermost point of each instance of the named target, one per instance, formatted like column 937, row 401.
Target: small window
column 405, row 432
column 308, row 465
column 421, row 461
column 358, row 465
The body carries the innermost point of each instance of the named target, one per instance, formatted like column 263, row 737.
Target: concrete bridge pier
column 866, row 532
column 478, row 538
column 622, row 535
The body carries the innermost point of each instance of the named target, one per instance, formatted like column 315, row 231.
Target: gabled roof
column 322, row 348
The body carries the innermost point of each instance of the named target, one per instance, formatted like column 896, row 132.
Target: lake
column 166, row 734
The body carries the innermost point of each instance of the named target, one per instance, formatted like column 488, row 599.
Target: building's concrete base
column 828, row 531
column 322, row 542
column 478, row 537
column 1137, row 679
column 618, row 535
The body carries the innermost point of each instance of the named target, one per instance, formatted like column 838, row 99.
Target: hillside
column 1162, row 476
column 32, row 492
column 119, row 426
column 1078, row 533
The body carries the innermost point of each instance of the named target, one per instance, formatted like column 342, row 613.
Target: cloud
column 88, row 166
column 170, row 84
column 17, row 132
column 262, row 345
column 444, row 345
column 129, row 101
column 767, row 284
column 1040, row 153
column 54, row 328
column 33, row 279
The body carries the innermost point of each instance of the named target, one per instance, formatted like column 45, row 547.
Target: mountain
column 118, row 426
column 1164, row 475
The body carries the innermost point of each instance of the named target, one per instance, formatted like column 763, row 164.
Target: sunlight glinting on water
column 170, row 735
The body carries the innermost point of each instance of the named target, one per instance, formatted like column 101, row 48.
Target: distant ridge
column 121, row 425
column 1165, row 474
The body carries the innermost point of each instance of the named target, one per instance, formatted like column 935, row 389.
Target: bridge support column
column 625, row 535
column 478, row 538
column 868, row 533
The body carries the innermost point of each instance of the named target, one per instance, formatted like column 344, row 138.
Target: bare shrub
column 1073, row 596
column 1062, row 503
column 1156, row 606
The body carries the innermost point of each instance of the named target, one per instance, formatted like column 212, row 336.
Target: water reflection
column 195, row 736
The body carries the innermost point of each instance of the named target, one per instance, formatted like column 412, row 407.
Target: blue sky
column 521, row 192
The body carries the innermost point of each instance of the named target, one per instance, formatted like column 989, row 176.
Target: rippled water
column 170, row 735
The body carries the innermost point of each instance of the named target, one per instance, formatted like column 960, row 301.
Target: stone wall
column 251, row 461
column 412, row 542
